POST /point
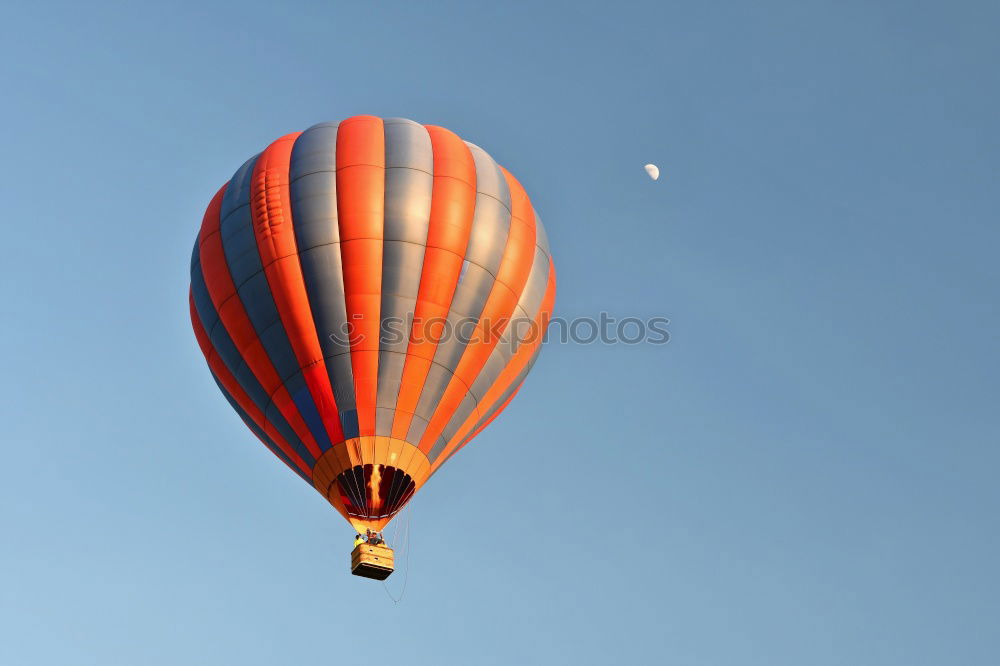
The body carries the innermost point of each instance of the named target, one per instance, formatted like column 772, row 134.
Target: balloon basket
column 372, row 561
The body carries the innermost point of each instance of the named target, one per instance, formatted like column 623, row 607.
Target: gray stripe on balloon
column 409, row 186
column 313, row 193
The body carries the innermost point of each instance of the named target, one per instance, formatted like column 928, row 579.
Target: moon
column 653, row 171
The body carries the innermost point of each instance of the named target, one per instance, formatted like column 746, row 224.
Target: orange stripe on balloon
column 515, row 266
column 509, row 374
column 271, row 211
column 453, row 204
column 360, row 210
column 241, row 397
column 233, row 316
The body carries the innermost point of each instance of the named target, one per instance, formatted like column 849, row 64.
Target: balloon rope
column 406, row 551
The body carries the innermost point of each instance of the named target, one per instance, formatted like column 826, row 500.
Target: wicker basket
column 372, row 561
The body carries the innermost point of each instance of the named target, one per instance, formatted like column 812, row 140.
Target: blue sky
column 806, row 474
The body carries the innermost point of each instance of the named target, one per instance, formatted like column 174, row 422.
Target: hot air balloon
column 370, row 295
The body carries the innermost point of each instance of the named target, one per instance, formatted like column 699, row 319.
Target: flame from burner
column 373, row 485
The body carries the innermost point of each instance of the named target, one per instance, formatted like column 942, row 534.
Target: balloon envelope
column 653, row 171
column 369, row 295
